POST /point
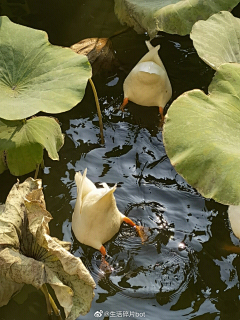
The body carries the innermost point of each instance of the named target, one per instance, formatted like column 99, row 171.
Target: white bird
column 96, row 218
column 234, row 218
column 148, row 83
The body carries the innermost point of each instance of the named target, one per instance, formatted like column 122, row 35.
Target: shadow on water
column 182, row 270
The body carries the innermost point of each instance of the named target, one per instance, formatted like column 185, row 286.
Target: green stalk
column 98, row 110
column 37, row 171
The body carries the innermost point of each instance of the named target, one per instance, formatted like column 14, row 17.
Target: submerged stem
column 120, row 32
column 98, row 110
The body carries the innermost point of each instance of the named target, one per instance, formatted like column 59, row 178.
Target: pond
column 183, row 270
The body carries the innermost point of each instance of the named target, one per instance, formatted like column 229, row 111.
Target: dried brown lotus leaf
column 90, row 46
column 11, row 287
column 99, row 51
column 28, row 254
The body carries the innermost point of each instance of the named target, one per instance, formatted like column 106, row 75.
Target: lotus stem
column 37, row 171
column 98, row 110
column 45, row 291
column 50, row 302
column 37, row 168
column 54, row 307
column 120, row 32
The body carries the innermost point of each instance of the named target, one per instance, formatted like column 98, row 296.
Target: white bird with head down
column 96, row 218
column 234, row 219
column 148, row 83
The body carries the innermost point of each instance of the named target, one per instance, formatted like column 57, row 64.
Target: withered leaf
column 29, row 255
column 99, row 51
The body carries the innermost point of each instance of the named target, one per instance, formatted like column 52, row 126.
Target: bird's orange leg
column 125, row 102
column 232, row 249
column 140, row 230
column 105, row 266
column 161, row 112
column 103, row 251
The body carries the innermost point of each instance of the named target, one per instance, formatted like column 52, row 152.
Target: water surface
column 182, row 271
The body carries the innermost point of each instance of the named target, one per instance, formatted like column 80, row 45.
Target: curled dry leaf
column 28, row 254
column 99, row 51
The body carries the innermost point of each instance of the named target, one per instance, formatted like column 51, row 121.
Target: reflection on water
column 182, row 270
column 152, row 194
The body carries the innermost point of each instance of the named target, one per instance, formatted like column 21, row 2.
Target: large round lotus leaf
column 202, row 136
column 22, row 143
column 171, row 16
column 37, row 76
column 217, row 40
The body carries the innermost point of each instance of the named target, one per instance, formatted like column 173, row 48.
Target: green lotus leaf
column 217, row 40
column 22, row 143
column 171, row 16
column 37, row 76
column 201, row 136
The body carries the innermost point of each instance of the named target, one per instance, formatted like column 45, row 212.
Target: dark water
column 183, row 270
